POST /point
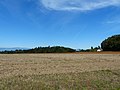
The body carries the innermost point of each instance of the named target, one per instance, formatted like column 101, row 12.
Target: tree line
column 54, row 49
column 110, row 44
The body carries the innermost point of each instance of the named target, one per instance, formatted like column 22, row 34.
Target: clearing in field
column 60, row 71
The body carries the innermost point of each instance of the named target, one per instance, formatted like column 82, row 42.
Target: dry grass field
column 60, row 71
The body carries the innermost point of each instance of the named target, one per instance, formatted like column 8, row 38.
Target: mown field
column 60, row 72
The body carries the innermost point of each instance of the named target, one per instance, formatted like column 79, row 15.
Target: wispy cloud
column 80, row 5
column 113, row 22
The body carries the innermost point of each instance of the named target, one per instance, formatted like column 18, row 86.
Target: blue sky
column 71, row 23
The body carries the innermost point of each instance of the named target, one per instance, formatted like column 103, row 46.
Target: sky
column 78, row 24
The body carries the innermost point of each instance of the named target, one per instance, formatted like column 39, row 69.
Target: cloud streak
column 79, row 5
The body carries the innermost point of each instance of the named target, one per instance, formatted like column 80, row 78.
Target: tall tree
column 111, row 43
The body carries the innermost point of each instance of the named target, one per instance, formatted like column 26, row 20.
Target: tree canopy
column 111, row 43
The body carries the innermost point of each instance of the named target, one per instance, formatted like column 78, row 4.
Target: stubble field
column 60, row 72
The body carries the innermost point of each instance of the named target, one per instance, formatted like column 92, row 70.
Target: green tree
column 111, row 43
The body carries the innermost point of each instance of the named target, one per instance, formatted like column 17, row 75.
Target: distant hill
column 12, row 49
column 54, row 49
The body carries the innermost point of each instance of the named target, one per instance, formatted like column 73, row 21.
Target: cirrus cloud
column 80, row 5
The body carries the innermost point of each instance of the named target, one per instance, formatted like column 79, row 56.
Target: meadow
column 60, row 71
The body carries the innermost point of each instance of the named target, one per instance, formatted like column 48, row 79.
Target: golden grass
column 17, row 66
